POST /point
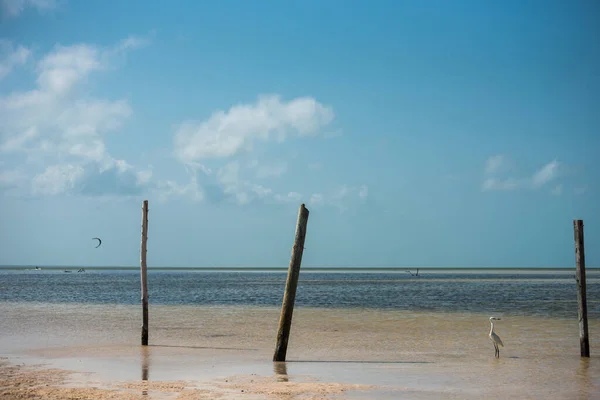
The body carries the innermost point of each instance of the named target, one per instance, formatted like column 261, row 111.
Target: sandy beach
column 92, row 351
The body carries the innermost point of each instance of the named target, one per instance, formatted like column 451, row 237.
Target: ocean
column 516, row 292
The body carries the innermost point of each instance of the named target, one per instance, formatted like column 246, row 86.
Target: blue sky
column 417, row 133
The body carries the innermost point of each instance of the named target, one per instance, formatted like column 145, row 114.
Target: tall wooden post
column 143, row 273
column 287, row 306
column 584, row 342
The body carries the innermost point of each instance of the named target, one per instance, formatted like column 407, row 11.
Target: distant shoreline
column 312, row 269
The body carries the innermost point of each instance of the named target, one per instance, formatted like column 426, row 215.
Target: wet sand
column 216, row 352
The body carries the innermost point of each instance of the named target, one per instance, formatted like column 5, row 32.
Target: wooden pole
column 287, row 306
column 143, row 271
column 584, row 342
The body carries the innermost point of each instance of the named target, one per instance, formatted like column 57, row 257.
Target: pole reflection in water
column 280, row 369
column 585, row 385
column 145, row 358
column 145, row 362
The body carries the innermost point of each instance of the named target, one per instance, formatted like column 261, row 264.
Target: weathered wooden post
column 584, row 342
column 143, row 273
column 287, row 306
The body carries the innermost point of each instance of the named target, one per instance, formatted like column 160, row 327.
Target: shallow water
column 408, row 354
column 415, row 337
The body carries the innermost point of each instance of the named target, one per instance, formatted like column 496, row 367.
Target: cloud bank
column 13, row 8
column 210, row 150
column 54, row 135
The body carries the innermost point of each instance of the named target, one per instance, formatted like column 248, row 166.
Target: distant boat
column 81, row 270
column 66, row 270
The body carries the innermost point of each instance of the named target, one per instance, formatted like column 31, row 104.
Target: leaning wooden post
column 143, row 272
column 287, row 306
column 584, row 342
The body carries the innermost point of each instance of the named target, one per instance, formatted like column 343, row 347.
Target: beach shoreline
column 25, row 380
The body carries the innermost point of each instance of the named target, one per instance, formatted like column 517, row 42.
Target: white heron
column 495, row 338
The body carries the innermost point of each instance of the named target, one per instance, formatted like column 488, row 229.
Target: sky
column 417, row 133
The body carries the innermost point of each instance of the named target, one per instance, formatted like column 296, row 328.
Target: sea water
column 540, row 293
column 417, row 337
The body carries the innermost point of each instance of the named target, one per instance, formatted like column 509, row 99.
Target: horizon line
column 233, row 268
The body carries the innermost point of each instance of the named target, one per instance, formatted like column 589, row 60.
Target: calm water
column 370, row 328
column 551, row 294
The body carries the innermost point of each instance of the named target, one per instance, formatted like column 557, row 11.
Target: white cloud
column 57, row 179
column 231, row 183
column 167, row 189
column 50, row 127
column 228, row 177
column 341, row 197
column 224, row 183
column 65, row 66
column 229, row 174
column 241, row 189
column 112, row 178
column 546, row 174
column 143, row 177
column 12, row 8
column 557, row 191
column 57, row 137
column 541, row 177
column 364, row 192
column 494, row 164
column 290, row 197
column 268, row 171
column 316, row 199
column 11, row 57
column 18, row 142
column 500, row 184
column 226, row 133
column 132, row 42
